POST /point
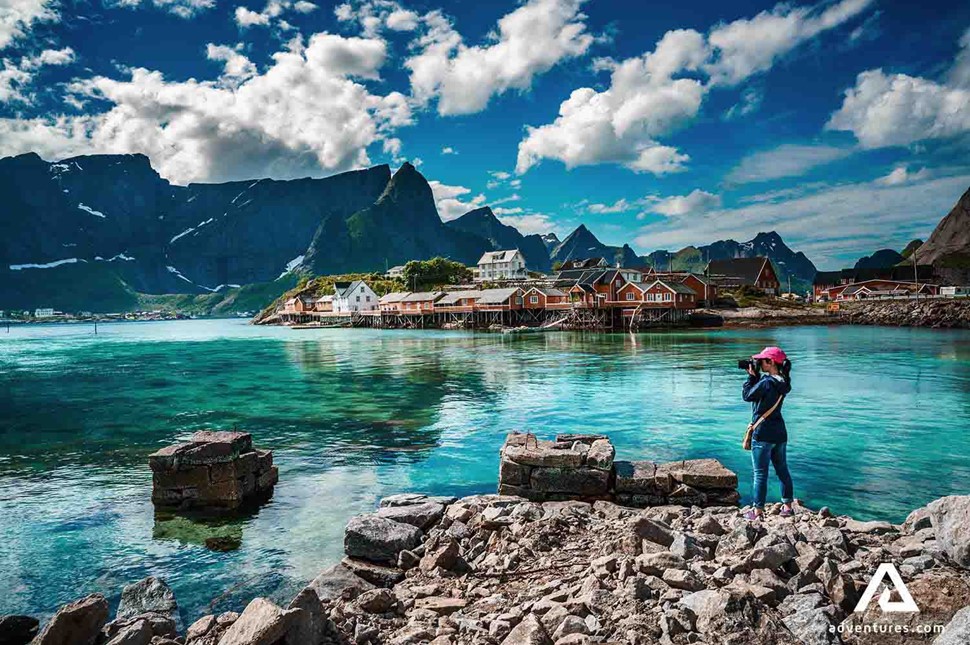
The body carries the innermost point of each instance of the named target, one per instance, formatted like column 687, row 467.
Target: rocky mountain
column 880, row 259
column 581, row 243
column 786, row 261
column 92, row 232
column 911, row 248
column 948, row 246
column 551, row 240
column 483, row 223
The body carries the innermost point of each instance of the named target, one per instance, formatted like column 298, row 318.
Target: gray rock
column 957, row 631
column 528, row 632
column 706, row 605
column 741, row 538
column 801, row 602
column 339, row 582
column 422, row 516
column 586, row 482
column 376, row 601
column 376, row 574
column 601, row 454
column 769, row 557
column 261, row 623
column 812, row 626
column 868, row 528
column 311, row 626
column 653, row 530
column 641, row 478
column 77, row 623
column 18, row 630
column 680, row 579
column 136, row 632
column 688, row 548
column 150, row 595
column 702, row 473
column 379, row 539
column 918, row 520
column 951, row 519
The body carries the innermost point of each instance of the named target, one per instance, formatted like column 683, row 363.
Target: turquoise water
column 878, row 420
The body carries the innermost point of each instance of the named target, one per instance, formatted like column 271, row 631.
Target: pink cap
column 774, row 353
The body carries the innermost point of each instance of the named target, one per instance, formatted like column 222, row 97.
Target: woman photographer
column 769, row 380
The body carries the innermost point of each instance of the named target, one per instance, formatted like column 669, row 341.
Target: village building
column 395, row 272
column 734, row 273
column 826, row 280
column 878, row 289
column 420, row 302
column 354, row 297
column 545, row 298
column 704, row 287
column 323, row 304
column 390, row 302
column 43, row 312
column 502, row 265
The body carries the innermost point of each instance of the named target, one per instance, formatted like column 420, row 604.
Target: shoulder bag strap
column 754, row 426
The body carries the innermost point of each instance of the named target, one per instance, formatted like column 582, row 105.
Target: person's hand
column 751, row 370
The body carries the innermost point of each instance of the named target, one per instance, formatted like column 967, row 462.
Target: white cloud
column 501, row 210
column 750, row 102
column 305, row 115
column 529, row 41
column 236, row 67
column 787, row 160
column 246, row 17
column 15, row 78
column 453, row 202
column 619, row 206
column 833, row 225
column 402, row 20
column 448, row 150
column 897, row 109
column 649, row 97
column 696, row 202
column 181, row 8
column 18, row 16
column 530, row 223
column 902, row 175
column 514, row 197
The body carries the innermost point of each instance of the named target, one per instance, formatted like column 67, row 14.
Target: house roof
column 394, row 296
column 585, row 263
column 582, row 276
column 494, row 257
column 422, row 296
column 452, row 297
column 745, row 269
column 344, row 289
column 548, row 291
column 495, row 296
column 676, row 287
column 825, row 278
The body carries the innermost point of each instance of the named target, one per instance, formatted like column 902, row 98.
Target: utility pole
column 915, row 276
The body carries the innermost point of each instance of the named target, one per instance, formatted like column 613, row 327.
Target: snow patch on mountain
column 88, row 209
column 47, row 265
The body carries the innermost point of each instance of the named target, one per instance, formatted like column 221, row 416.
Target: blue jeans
column 763, row 452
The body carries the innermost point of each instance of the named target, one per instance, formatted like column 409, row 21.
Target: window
column 358, row 298
column 667, row 296
column 534, row 300
column 629, row 295
column 368, row 298
column 518, row 300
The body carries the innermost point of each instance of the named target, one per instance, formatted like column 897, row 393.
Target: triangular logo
column 906, row 604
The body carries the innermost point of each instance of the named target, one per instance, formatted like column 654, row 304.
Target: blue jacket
column 762, row 393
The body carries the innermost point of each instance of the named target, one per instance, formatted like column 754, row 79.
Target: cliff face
column 948, row 246
column 482, row 222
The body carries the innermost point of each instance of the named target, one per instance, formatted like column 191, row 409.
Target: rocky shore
column 506, row 570
column 936, row 313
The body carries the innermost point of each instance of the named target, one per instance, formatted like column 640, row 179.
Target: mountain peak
column 482, row 213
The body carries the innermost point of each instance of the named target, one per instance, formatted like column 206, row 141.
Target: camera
column 744, row 364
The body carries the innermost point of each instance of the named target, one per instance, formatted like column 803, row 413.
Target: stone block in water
column 211, row 470
column 641, row 478
column 701, row 473
column 585, row 482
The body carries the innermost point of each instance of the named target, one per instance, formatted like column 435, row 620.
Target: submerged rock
column 18, row 630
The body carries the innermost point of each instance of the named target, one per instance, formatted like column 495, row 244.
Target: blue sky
column 843, row 125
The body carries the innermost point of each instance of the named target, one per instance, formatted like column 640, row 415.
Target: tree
column 426, row 274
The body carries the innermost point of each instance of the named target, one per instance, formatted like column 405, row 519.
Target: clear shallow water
column 878, row 420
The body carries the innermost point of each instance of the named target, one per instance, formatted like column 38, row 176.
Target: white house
column 501, row 265
column 395, row 272
column 43, row 312
column 350, row 297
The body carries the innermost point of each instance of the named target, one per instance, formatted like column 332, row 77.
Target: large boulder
column 149, row 596
column 951, row 520
column 339, row 581
column 77, row 623
column 18, row 630
column 261, row 623
column 379, row 539
column 528, row 632
column 957, row 631
column 423, row 515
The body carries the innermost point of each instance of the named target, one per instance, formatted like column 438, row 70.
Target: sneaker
column 752, row 515
column 787, row 511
